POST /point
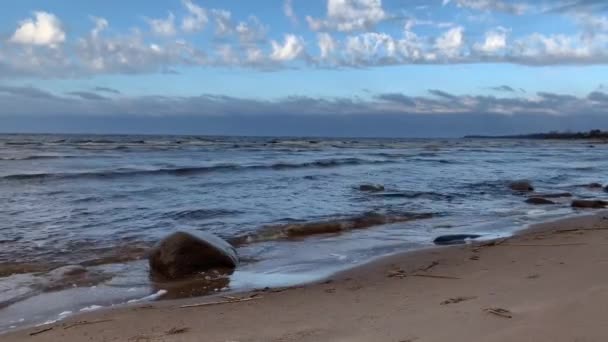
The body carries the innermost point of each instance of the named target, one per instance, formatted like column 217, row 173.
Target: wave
column 186, row 171
column 35, row 157
column 414, row 194
column 22, row 143
column 199, row 214
column 301, row 230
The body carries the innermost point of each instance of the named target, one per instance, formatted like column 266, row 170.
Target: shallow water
column 101, row 201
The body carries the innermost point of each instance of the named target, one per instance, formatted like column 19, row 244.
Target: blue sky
column 74, row 62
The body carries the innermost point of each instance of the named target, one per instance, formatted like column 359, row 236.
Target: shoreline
column 400, row 297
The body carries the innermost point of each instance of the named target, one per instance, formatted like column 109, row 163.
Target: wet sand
column 548, row 283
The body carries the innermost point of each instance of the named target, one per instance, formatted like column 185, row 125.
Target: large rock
column 523, row 186
column 538, row 201
column 183, row 254
column 593, row 204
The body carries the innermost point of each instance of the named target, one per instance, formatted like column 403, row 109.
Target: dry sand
column 549, row 283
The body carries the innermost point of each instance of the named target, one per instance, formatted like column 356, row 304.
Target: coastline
column 546, row 278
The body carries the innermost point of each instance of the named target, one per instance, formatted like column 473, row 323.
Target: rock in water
column 371, row 187
column 182, row 254
column 521, row 186
column 551, row 195
column 593, row 204
column 67, row 271
column 454, row 239
column 539, row 200
column 594, row 186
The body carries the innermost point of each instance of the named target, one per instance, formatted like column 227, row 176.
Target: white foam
column 536, row 212
column 151, row 297
column 65, row 313
column 91, row 308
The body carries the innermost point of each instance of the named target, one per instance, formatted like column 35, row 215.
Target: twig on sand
column 456, row 300
column 236, row 300
column 433, row 264
column 230, row 297
column 40, row 331
column 504, row 313
column 545, row 245
column 558, row 231
column 397, row 274
column 175, row 331
column 86, row 323
column 433, row 276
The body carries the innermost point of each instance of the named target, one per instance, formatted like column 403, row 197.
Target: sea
column 98, row 203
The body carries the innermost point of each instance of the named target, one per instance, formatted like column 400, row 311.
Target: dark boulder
column 538, row 201
column 523, row 186
column 454, row 239
column 183, row 254
column 371, row 187
column 593, row 204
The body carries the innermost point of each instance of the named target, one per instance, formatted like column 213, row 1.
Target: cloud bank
column 388, row 114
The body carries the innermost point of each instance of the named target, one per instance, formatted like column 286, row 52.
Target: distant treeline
column 593, row 134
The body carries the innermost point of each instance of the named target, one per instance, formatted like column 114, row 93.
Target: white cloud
column 129, row 53
column 223, row 22
column 349, row 15
column 491, row 5
column 44, row 29
column 451, row 41
column 556, row 48
column 251, row 30
column 292, row 48
column 591, row 24
column 255, row 55
column 495, row 40
column 327, row 45
column 196, row 20
column 289, row 12
column 163, row 27
column 227, row 55
column 370, row 44
column 100, row 25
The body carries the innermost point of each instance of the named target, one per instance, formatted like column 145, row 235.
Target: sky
column 402, row 68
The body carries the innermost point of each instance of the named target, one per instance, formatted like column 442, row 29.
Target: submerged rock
column 183, row 254
column 305, row 229
column 593, row 204
column 70, row 276
column 455, row 239
column 198, row 285
column 552, row 195
column 371, row 187
column 594, row 186
column 66, row 271
column 523, row 186
column 538, row 201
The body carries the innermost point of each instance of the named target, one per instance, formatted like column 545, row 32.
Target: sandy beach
column 544, row 284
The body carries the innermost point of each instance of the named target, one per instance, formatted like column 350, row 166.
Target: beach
column 545, row 283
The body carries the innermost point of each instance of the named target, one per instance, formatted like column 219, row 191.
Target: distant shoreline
column 591, row 135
